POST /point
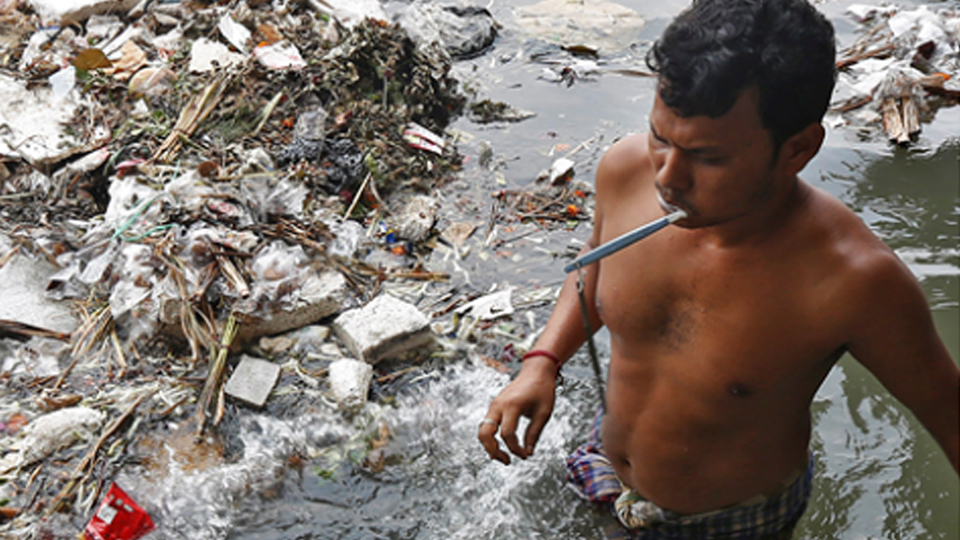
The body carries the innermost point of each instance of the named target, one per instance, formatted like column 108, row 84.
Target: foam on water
column 203, row 505
column 437, row 482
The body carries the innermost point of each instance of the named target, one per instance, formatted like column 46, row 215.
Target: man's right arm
column 532, row 393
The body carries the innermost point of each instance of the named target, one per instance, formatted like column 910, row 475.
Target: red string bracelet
column 541, row 352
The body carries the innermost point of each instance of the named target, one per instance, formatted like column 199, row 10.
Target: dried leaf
column 90, row 59
column 132, row 59
column 270, row 33
column 208, row 169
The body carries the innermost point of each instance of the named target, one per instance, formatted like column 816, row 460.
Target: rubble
column 386, row 327
column 24, row 281
column 206, row 209
column 29, row 121
column 252, row 380
column 349, row 382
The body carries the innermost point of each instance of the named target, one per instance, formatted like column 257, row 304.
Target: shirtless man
column 723, row 327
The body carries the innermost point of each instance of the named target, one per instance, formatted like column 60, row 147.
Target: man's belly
column 688, row 461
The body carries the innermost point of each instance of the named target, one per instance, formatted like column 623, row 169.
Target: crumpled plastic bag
column 118, row 518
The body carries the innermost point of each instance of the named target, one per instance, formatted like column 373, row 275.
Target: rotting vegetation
column 195, row 205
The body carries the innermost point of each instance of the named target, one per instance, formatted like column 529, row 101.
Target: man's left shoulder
column 852, row 258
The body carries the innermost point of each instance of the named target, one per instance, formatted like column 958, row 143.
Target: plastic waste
column 560, row 171
column 118, row 518
column 235, row 33
column 277, row 261
column 422, row 138
column 308, row 133
column 33, row 122
column 283, row 55
column 36, row 358
column 418, row 218
column 491, row 306
column 57, row 430
column 348, row 237
column 465, row 32
column 206, row 55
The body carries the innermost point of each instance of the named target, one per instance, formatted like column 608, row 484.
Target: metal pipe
column 624, row 240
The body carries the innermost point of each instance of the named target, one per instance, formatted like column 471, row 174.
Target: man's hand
column 531, row 395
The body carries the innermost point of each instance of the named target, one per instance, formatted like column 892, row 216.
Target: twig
column 217, row 368
column 118, row 349
column 9, row 255
column 189, row 318
column 267, row 111
column 494, row 207
column 356, row 197
column 854, row 103
column 232, row 273
column 84, row 468
column 15, row 196
column 190, row 118
column 396, row 374
column 884, row 50
column 14, row 329
column 580, row 147
column 205, row 278
column 94, row 329
column 421, row 274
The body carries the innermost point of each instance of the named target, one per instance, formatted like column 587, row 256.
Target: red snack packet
column 118, row 518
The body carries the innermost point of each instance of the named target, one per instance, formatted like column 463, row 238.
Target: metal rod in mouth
column 624, row 240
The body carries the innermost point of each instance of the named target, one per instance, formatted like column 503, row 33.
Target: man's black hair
column 716, row 48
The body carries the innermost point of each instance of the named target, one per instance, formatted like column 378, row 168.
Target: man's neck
column 761, row 223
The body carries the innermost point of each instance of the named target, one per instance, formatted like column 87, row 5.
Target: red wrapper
column 118, row 518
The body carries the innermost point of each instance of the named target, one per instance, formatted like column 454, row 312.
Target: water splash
column 437, row 481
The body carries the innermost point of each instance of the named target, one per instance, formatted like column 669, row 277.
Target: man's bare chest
column 725, row 321
column 716, row 331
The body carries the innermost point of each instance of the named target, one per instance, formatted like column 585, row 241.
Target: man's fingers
column 508, row 432
column 487, row 436
column 534, row 429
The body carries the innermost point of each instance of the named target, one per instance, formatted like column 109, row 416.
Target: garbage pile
column 195, row 200
column 904, row 65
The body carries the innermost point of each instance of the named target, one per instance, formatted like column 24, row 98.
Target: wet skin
column 723, row 327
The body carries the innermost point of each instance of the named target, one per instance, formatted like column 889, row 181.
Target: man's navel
column 739, row 390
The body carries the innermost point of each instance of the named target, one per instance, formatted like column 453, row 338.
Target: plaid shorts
column 592, row 476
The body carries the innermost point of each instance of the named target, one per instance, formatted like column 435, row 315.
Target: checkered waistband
column 592, row 476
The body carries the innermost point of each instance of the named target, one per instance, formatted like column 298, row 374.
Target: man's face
column 717, row 169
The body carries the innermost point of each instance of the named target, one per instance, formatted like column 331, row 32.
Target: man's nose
column 673, row 173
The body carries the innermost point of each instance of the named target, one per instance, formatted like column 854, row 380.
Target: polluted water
column 311, row 476
column 266, row 263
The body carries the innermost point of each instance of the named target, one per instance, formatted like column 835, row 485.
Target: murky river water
column 879, row 474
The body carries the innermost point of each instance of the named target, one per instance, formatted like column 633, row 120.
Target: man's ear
column 799, row 149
